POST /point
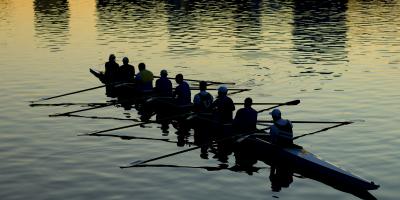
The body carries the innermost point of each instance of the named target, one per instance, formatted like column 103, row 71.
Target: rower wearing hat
column 282, row 130
column 223, row 106
column 164, row 85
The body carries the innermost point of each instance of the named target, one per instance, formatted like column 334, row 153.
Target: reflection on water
column 262, row 45
column 319, row 33
column 52, row 23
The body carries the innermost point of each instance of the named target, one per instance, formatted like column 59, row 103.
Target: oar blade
column 294, row 102
column 133, row 164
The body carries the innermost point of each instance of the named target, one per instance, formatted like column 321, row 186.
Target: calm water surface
column 340, row 58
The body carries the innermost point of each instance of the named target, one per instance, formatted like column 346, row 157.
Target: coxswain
column 182, row 91
column 126, row 71
column 281, row 131
column 246, row 118
column 202, row 101
column 163, row 85
column 223, row 106
column 144, row 79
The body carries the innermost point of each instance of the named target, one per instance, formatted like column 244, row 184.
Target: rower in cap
column 182, row 91
column 144, row 78
column 246, row 118
column 282, row 130
column 202, row 101
column 163, row 85
column 223, row 106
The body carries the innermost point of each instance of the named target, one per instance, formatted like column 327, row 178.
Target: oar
column 99, row 117
column 66, row 104
column 230, row 89
column 310, row 122
column 322, row 130
column 213, row 82
column 69, row 93
column 133, row 125
column 140, row 162
column 81, row 110
column 238, row 91
column 117, row 128
column 260, row 103
column 93, row 108
column 289, row 103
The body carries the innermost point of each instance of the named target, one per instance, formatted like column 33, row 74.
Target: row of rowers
column 223, row 106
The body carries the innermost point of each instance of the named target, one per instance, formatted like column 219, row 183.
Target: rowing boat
column 297, row 159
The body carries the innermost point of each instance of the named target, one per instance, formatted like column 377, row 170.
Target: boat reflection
column 51, row 22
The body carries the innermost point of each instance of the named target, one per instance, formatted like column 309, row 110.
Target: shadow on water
column 52, row 23
column 319, row 32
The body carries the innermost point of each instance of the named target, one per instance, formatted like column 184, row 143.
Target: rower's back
column 144, row 79
column 111, row 70
column 282, row 130
column 163, row 85
column 182, row 91
column 245, row 118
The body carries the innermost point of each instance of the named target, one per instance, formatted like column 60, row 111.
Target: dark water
column 340, row 58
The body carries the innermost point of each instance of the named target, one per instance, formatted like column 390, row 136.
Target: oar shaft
column 230, row 89
column 69, row 93
column 213, row 82
column 321, row 130
column 241, row 103
column 133, row 164
column 66, row 104
column 164, row 156
column 289, row 103
column 81, row 110
column 307, row 122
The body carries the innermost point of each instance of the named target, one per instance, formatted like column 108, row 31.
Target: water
column 340, row 58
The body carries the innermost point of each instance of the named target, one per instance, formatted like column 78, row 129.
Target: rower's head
column 163, row 73
column 179, row 78
column 125, row 60
column 141, row 66
column 111, row 58
column 222, row 91
column 276, row 114
column 203, row 86
column 248, row 102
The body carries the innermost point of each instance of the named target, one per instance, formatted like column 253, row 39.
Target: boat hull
column 306, row 164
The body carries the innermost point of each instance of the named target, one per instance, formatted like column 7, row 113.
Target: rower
column 282, row 131
column 182, row 91
column 163, row 85
column 126, row 71
column 202, row 101
column 246, row 118
column 111, row 75
column 144, row 79
column 223, row 106
column 111, row 69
